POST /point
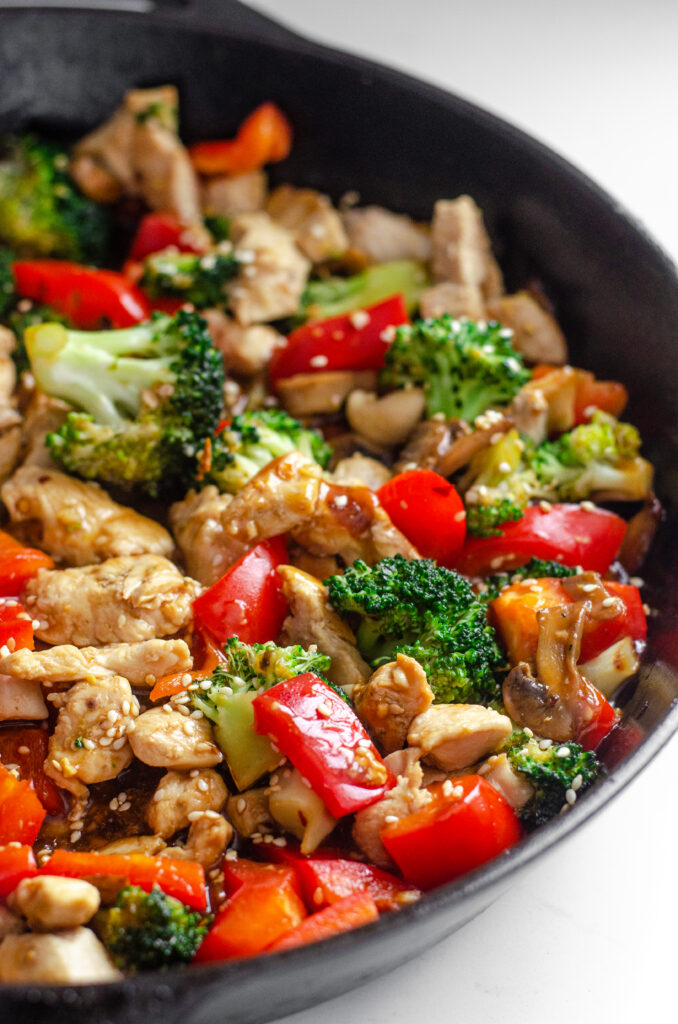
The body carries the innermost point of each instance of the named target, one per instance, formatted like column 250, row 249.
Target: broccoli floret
column 250, row 442
column 535, row 569
column 42, row 212
column 333, row 296
column 485, row 520
column 150, row 395
column 463, row 366
column 219, row 227
column 552, row 772
column 145, row 931
column 8, row 296
column 261, row 666
column 432, row 614
column 199, row 279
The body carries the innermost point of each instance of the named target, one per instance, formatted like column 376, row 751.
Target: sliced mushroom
column 389, row 420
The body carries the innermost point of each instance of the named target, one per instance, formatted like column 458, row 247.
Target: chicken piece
column 78, row 523
column 460, row 247
column 535, row 332
column 20, row 699
column 7, row 368
column 515, row 789
column 150, row 846
column 43, row 416
column 90, row 741
column 208, row 837
column 10, row 924
column 313, row 621
column 546, row 405
column 382, row 235
column 73, row 957
column 246, row 350
column 180, row 795
column 400, row 761
column 123, row 599
column 141, row 663
column 169, row 739
column 456, row 299
column 214, row 530
column 249, row 812
column 405, row 798
column 230, row 194
column 391, row 699
column 50, row 903
column 454, row 736
column 320, row 566
column 386, row 420
column 273, row 277
column 361, row 469
column 10, row 444
column 429, row 442
column 316, row 225
column 309, row 394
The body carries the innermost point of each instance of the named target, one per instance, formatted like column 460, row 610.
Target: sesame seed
column 364, row 744
column 570, row 796
column 545, row 506
column 197, row 713
column 563, row 752
column 459, row 517
column 588, row 506
column 24, row 750
column 319, row 360
column 588, row 588
column 167, row 707
column 318, row 896
column 105, row 741
column 113, row 804
column 391, row 819
column 241, row 805
column 324, row 710
column 35, row 623
column 231, row 855
column 75, row 836
column 126, row 707
column 388, row 334
column 203, row 785
column 647, row 609
column 112, row 715
column 577, row 782
column 637, row 581
column 4, row 651
column 447, row 788
column 268, row 839
column 56, row 764
column 458, row 792
column 504, row 467
column 306, row 782
column 89, row 744
column 341, row 501
column 359, row 319
column 545, row 744
column 280, row 841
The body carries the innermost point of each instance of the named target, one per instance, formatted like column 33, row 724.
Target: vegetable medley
column 311, row 600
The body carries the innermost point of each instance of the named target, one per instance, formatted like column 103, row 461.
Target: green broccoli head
column 150, row 395
column 464, row 367
column 334, row 296
column 202, row 280
column 260, row 666
column 42, row 212
column 485, row 520
column 415, row 607
column 145, row 931
column 555, row 770
column 250, row 442
column 535, row 569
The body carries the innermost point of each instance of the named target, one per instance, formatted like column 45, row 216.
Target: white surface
column 588, row 934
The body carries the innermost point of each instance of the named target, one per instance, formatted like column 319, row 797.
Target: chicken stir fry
column 309, row 598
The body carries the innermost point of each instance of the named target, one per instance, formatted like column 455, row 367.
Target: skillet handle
column 237, row 18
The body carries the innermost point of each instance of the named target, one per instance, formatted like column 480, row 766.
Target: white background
column 588, row 934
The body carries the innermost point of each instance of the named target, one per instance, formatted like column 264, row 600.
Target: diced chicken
column 453, row 298
column 515, row 789
column 386, row 420
column 313, row 621
column 230, row 194
column 43, row 416
column 246, row 350
column 7, row 367
column 140, row 663
column 360, row 469
column 460, row 247
column 10, row 924
column 400, row 761
column 20, row 699
column 392, row 698
column 123, row 599
column 405, row 798
column 90, row 741
column 208, row 837
column 79, row 523
column 316, row 225
column 546, row 405
column 150, row 846
column 50, row 903
column 308, row 394
column 535, row 332
column 382, row 235
column 198, row 526
column 179, row 795
column 169, row 739
column 271, row 282
column 454, row 736
column 249, row 812
column 73, row 957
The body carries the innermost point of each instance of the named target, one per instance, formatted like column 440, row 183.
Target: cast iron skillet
column 404, row 144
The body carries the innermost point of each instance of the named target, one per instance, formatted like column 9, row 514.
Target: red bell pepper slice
column 426, row 508
column 247, row 601
column 352, row 912
column 27, row 748
column 265, row 905
column 264, row 137
column 324, row 738
column 453, row 834
column 18, row 564
column 354, row 341
column 16, row 626
column 158, row 231
column 90, row 299
column 596, row 717
column 570, row 534
column 21, row 813
column 183, row 879
column 208, row 656
column 16, row 863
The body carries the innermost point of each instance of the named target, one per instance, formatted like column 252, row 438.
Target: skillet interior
column 403, row 144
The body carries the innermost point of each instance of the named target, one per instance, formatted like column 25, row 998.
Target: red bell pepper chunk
column 355, row 341
column 21, row 813
column 208, row 656
column 183, row 879
column 352, row 912
column 596, row 717
column 16, row 863
column 569, row 534
column 18, row 564
column 426, row 508
column 247, row 601
column 324, row 738
column 265, row 905
column 264, row 137
column 90, row 299
column 158, row 231
column 452, row 835
column 16, row 626
column 27, row 748
column 327, row 878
